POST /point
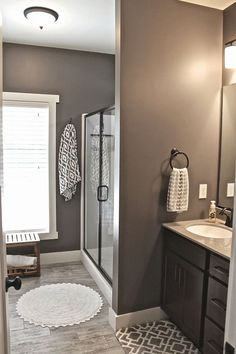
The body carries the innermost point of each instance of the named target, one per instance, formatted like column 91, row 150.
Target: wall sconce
column 230, row 54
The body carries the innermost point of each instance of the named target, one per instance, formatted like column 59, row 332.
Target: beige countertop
column 216, row 245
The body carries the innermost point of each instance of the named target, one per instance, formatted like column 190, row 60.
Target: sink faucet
column 228, row 212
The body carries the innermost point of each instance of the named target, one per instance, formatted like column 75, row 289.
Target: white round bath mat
column 59, row 305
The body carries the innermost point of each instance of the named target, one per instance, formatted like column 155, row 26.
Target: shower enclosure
column 98, row 191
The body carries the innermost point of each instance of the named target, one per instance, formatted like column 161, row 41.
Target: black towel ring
column 175, row 152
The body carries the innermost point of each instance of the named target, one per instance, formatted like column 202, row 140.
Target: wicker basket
column 22, row 271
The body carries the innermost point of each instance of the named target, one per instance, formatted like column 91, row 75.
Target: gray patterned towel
column 68, row 165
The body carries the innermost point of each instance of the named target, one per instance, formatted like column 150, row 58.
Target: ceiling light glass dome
column 41, row 16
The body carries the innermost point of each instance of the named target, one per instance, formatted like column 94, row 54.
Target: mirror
column 228, row 148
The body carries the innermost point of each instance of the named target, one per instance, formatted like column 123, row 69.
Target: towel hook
column 175, row 152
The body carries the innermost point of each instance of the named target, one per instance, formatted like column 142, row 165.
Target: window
column 29, row 163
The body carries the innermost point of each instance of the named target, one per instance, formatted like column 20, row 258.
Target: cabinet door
column 172, row 287
column 192, row 281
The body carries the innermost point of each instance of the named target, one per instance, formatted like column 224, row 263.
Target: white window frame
column 51, row 100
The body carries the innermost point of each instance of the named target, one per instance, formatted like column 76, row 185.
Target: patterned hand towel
column 178, row 191
column 68, row 165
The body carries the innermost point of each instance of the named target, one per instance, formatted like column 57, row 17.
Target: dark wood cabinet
column 192, row 302
column 213, row 338
column 195, row 291
column 219, row 268
column 216, row 302
column 172, row 287
column 182, row 297
column 215, row 314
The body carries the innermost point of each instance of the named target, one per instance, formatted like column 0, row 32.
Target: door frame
column 4, row 326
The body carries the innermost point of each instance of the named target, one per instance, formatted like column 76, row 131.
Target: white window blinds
column 25, row 166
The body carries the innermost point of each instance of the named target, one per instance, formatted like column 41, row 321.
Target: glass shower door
column 92, row 173
column 99, row 189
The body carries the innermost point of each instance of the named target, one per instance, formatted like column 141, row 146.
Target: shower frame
column 85, row 254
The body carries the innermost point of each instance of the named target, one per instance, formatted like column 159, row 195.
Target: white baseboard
column 134, row 318
column 101, row 282
column 60, row 257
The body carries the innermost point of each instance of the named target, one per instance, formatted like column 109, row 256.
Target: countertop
column 216, row 245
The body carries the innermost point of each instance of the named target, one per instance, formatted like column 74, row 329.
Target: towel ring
column 175, row 152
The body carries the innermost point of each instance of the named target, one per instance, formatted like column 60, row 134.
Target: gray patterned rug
column 156, row 338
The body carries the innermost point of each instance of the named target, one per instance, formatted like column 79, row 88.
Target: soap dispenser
column 212, row 212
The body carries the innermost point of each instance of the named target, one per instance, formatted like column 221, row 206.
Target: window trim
column 51, row 100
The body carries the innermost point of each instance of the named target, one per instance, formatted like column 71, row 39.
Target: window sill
column 49, row 236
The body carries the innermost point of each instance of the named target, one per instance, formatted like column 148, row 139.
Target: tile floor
column 156, row 338
column 95, row 336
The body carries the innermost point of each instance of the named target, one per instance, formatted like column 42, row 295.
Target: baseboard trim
column 134, row 318
column 60, row 257
column 101, row 282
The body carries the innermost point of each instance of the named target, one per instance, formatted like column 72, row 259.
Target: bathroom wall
column 229, row 20
column 85, row 82
column 169, row 96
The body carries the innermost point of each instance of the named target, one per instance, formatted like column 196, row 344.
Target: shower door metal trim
column 101, row 131
column 97, row 264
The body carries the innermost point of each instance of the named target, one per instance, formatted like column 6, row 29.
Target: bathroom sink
column 211, row 231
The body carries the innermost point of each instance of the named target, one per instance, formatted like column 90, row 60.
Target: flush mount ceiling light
column 230, row 54
column 41, row 16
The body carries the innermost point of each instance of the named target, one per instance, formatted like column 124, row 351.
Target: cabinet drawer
column 213, row 339
column 219, row 268
column 216, row 302
column 186, row 249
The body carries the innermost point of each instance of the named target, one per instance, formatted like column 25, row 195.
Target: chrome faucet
column 228, row 212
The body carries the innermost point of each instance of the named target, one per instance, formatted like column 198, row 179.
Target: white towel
column 178, row 191
column 68, row 165
column 20, row 261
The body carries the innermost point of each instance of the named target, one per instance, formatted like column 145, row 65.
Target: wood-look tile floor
column 94, row 336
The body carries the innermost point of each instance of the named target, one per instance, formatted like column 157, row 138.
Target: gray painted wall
column 170, row 83
column 85, row 82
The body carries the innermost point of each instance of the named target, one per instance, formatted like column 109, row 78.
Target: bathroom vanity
column 195, row 281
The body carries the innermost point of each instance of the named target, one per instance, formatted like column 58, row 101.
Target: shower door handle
column 102, row 193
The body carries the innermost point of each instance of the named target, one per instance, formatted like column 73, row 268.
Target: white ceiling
column 82, row 24
column 217, row 4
